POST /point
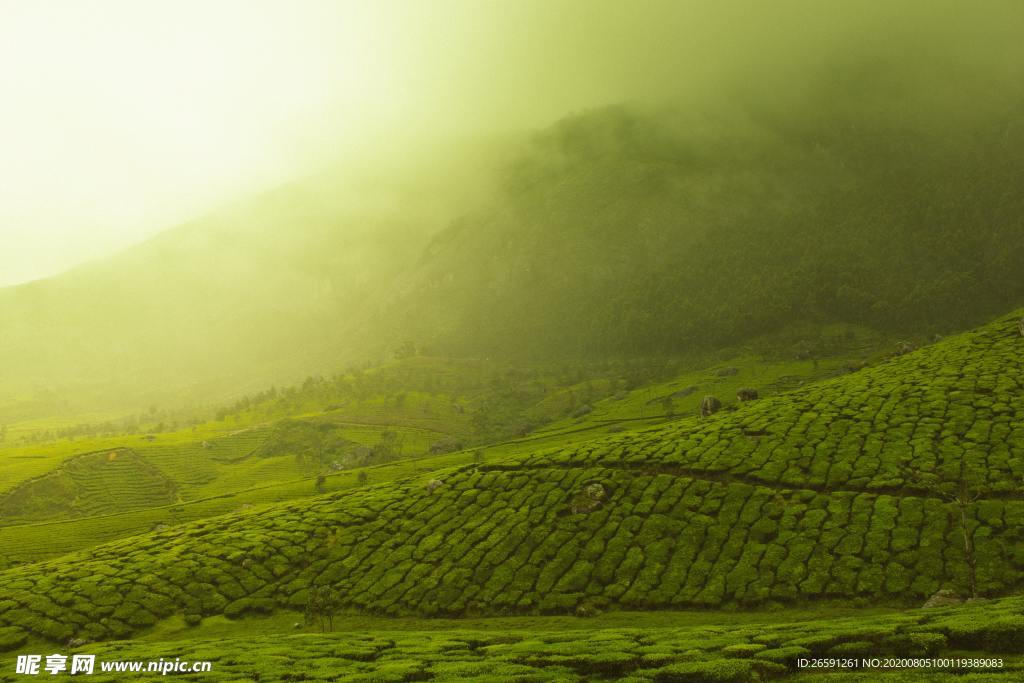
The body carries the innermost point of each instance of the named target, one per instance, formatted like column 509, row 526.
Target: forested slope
column 874, row 195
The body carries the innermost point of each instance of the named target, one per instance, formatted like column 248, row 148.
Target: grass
column 811, row 495
column 655, row 647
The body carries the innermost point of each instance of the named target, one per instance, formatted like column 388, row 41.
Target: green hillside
column 874, row 194
column 884, row 485
column 90, row 484
column 367, row 426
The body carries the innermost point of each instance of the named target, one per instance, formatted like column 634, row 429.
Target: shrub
column 919, row 644
column 11, row 637
column 711, row 671
column 236, row 609
column 783, row 655
column 974, row 632
column 742, row 649
column 854, row 648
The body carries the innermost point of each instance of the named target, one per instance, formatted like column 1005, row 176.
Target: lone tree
column 321, row 606
column 963, row 499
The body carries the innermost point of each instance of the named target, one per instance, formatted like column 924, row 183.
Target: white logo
column 55, row 663
column 28, row 664
column 82, row 664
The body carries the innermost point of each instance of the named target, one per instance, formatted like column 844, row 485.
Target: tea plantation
column 989, row 635
column 884, row 485
column 90, row 484
column 271, row 448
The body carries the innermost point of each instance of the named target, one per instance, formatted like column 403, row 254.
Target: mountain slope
column 886, row 484
column 263, row 291
column 873, row 196
column 190, row 312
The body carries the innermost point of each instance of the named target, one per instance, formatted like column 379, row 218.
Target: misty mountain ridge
column 869, row 196
column 628, row 231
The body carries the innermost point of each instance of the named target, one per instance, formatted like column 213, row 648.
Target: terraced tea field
column 88, row 485
column 36, row 541
column 219, row 467
column 195, row 463
column 876, row 486
column 122, row 479
column 981, row 641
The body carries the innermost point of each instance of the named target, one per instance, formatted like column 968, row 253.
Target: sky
column 121, row 118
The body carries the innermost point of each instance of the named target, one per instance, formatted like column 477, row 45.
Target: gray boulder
column 942, row 598
column 746, row 394
column 709, row 405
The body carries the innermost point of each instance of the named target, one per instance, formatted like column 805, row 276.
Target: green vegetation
column 91, row 484
column 668, row 387
column 816, row 494
column 643, row 648
column 256, row 452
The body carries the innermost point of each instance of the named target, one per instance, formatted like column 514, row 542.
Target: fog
column 120, row 119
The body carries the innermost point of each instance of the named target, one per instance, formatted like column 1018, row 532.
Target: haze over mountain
column 261, row 291
column 875, row 196
column 827, row 179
